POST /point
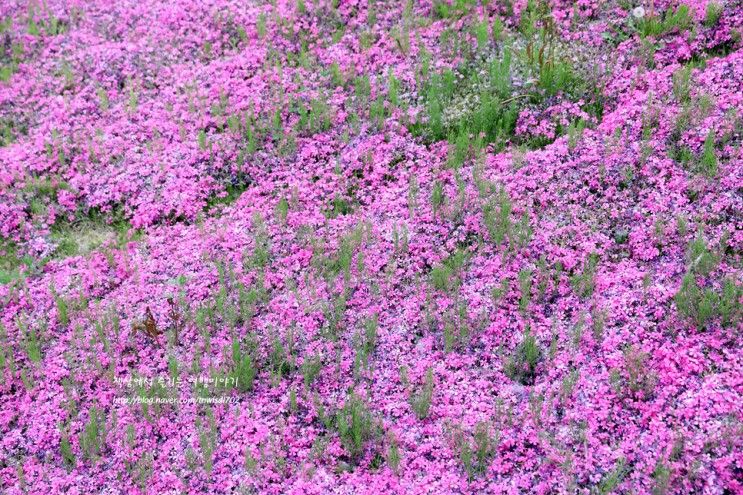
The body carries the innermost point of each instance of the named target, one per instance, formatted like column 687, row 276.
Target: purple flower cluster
column 346, row 246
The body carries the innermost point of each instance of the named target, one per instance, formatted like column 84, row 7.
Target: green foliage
column 335, row 311
column 339, row 206
column 662, row 478
column 461, row 149
column 493, row 117
column 568, row 384
column 282, row 210
column 421, row 400
column 103, row 99
column 314, row 119
column 712, row 14
column 143, row 470
column 440, row 277
column 450, row 336
column 584, row 282
column 497, row 218
column 133, row 99
column 445, row 276
column 341, row 263
column 703, row 305
column 679, row 19
column 336, row 76
column 557, row 76
column 207, row 51
column 500, row 290
column 155, row 392
column 30, row 341
column 251, row 463
column 525, row 281
column 452, row 9
column 93, row 435
column 362, row 89
column 280, row 359
column 480, row 30
column 6, row 356
column 293, row 401
column 377, row 111
column 598, row 322
column 356, row 426
column 640, row 379
column 365, row 343
column 575, row 131
column 233, row 124
column 728, row 305
column 261, row 252
column 320, row 119
column 393, row 90
column 261, row 25
column 393, row 456
column 8, row 128
column 476, row 450
column 400, row 240
column 521, row 366
column 484, row 448
column 311, row 368
column 173, row 371
column 6, row 72
column 244, row 368
column 208, row 435
column 553, row 74
column 702, row 260
column 438, row 196
column 12, row 59
column 682, row 84
column 413, row 190
column 682, row 226
column 62, row 311
column 68, row 456
column 613, row 478
column 202, row 140
column 708, row 161
column 54, row 26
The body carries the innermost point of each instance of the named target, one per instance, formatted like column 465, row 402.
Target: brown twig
column 148, row 326
column 176, row 318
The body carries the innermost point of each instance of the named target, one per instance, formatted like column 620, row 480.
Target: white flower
column 638, row 12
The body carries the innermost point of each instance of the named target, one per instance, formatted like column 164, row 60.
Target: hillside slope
column 371, row 247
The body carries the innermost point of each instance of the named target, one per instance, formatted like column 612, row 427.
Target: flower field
column 371, row 246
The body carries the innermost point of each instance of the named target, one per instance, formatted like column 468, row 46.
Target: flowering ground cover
column 371, row 246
